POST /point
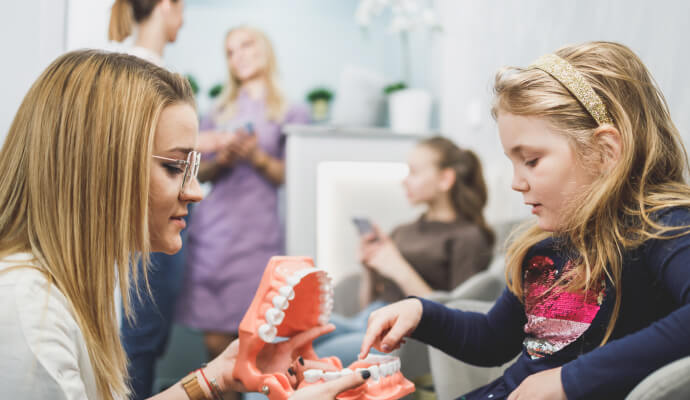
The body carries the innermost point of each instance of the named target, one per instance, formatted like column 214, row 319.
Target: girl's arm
column 270, row 167
column 622, row 363
column 489, row 339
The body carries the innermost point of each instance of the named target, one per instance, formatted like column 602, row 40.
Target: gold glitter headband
column 568, row 76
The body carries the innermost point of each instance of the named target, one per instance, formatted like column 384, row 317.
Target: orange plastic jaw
column 294, row 296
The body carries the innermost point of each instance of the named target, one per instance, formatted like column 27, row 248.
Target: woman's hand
column 388, row 326
column 277, row 357
column 328, row 390
column 378, row 252
column 227, row 155
column 544, row 385
column 245, row 146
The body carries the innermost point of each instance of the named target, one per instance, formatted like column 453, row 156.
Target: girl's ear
column 447, row 179
column 610, row 143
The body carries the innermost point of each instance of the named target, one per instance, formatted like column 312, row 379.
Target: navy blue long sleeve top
column 652, row 329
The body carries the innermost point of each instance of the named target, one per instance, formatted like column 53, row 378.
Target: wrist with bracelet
column 199, row 387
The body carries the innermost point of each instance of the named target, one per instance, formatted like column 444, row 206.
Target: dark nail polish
column 301, row 360
column 291, row 371
column 365, row 374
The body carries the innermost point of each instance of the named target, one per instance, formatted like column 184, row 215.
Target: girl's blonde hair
column 276, row 103
column 74, row 191
column 468, row 193
column 616, row 212
column 125, row 13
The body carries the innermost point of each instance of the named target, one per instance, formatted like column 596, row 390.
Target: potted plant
column 409, row 109
column 319, row 99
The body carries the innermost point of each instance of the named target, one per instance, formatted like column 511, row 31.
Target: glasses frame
column 191, row 167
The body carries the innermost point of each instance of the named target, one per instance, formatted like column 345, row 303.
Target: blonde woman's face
column 246, row 55
column 545, row 168
column 424, row 183
column 176, row 136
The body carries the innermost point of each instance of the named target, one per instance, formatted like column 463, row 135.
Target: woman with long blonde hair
column 99, row 168
column 237, row 229
column 154, row 24
column 597, row 294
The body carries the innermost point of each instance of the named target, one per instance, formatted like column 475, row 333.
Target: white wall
column 314, row 40
column 33, row 34
column 481, row 36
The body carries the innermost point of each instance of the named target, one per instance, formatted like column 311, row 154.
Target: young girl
column 598, row 290
column 99, row 167
column 447, row 244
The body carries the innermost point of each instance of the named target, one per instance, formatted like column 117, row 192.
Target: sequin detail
column 555, row 318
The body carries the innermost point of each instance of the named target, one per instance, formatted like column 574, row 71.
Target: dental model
column 292, row 297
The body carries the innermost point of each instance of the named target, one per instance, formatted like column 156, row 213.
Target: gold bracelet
column 191, row 386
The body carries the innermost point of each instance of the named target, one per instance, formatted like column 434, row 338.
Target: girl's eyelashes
column 531, row 162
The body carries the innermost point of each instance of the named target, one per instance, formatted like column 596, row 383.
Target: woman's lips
column 179, row 221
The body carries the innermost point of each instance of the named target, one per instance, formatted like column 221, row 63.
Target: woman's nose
column 193, row 192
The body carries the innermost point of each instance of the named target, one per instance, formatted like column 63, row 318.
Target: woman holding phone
column 236, row 230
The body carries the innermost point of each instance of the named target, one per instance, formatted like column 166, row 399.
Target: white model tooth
column 293, row 280
column 313, row 375
column 280, row 302
column 397, row 364
column 391, row 368
column 268, row 333
column 330, row 375
column 274, row 316
column 375, row 372
column 376, row 359
column 326, row 287
column 287, row 292
column 323, row 319
column 346, row 371
column 304, row 272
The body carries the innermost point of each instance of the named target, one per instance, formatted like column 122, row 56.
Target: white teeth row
column 275, row 315
column 315, row 375
column 377, row 371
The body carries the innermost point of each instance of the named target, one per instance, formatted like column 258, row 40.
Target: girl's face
column 545, row 168
column 245, row 55
column 175, row 138
column 424, row 183
column 173, row 18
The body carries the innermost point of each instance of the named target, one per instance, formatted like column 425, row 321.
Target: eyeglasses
column 191, row 168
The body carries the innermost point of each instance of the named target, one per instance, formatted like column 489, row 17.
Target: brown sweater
column 444, row 254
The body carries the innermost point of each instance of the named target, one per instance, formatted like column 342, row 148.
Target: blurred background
column 377, row 77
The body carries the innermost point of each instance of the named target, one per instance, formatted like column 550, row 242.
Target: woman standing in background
column 235, row 231
column 157, row 23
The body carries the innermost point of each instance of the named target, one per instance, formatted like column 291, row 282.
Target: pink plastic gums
column 294, row 296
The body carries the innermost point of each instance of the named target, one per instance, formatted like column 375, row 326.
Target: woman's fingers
column 344, row 383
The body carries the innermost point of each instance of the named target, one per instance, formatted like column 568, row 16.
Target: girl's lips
column 536, row 208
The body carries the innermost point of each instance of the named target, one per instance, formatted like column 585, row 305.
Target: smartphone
column 249, row 127
column 363, row 225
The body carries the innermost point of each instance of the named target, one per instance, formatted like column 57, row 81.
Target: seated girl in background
column 598, row 290
column 446, row 245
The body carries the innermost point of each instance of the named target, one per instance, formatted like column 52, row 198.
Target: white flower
column 406, row 15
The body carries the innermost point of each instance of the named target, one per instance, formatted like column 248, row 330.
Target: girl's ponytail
column 121, row 20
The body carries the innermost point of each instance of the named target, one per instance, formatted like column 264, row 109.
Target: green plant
column 215, row 90
column 193, row 83
column 319, row 94
column 394, row 87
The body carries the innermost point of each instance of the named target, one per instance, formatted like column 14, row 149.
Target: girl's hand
column 328, row 390
column 378, row 252
column 544, row 385
column 389, row 325
column 226, row 155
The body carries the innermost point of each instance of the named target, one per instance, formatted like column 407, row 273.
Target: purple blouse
column 235, row 230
